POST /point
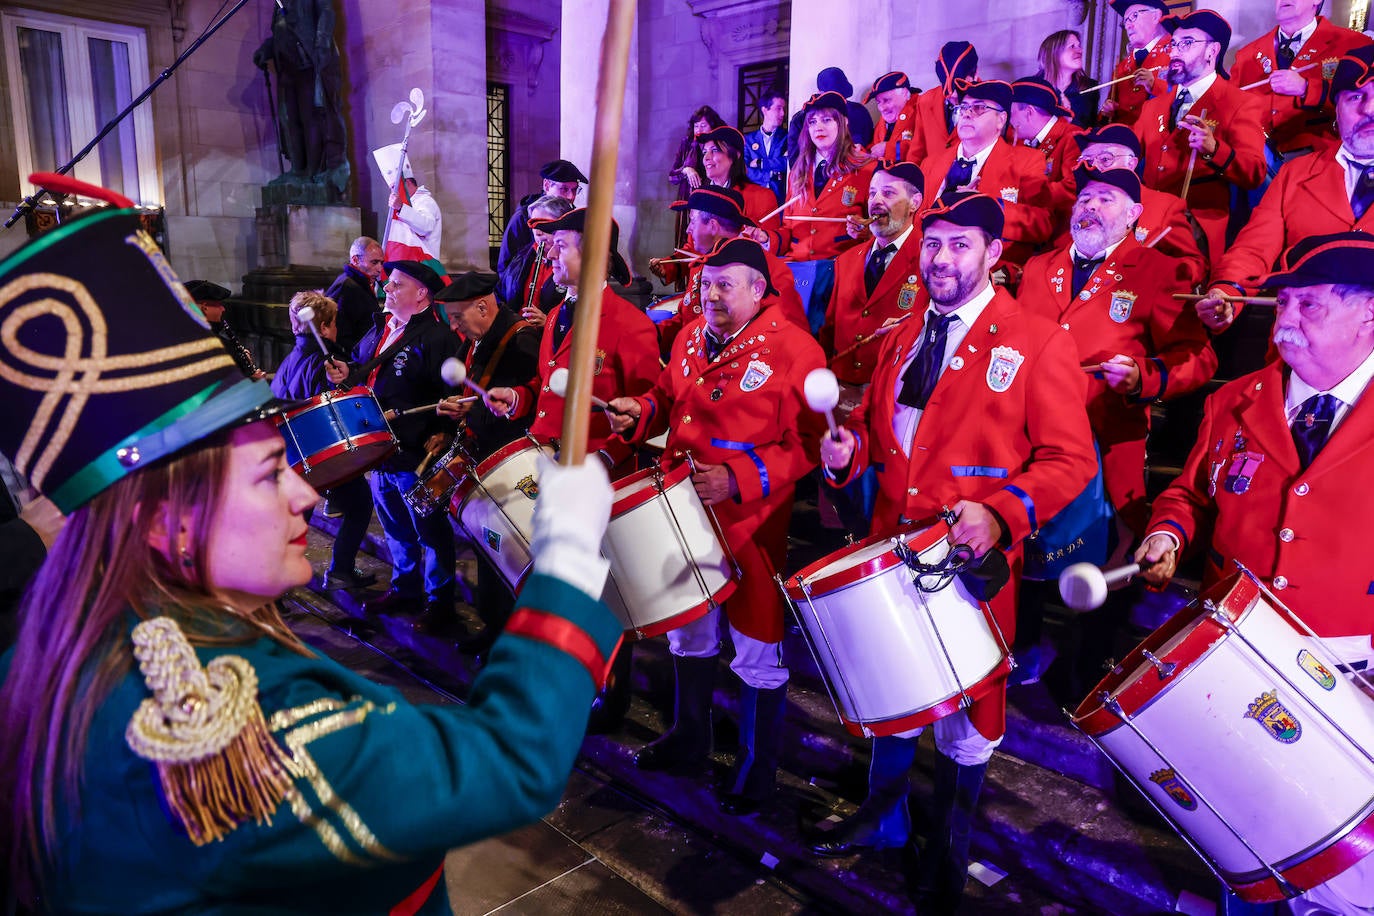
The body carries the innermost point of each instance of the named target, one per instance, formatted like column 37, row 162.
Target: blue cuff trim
column 734, row 446
column 1163, row 377
column 975, row 470
column 1178, row 529
column 763, row 472
column 1025, row 501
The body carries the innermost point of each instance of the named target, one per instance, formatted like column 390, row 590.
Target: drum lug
column 1163, row 668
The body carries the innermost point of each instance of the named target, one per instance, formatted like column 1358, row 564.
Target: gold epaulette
column 203, row 728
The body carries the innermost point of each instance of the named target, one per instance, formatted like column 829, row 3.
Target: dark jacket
column 355, row 295
column 517, row 365
column 517, row 236
column 301, row 374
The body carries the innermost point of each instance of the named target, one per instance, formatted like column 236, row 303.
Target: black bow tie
column 1140, row 56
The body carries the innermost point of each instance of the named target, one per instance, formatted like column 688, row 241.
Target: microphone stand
column 31, row 202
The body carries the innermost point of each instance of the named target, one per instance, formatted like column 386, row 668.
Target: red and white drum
column 336, row 436
column 1241, row 731
column 495, row 506
column 669, row 562
column 896, row 656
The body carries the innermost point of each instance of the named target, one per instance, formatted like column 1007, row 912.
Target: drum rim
column 1344, row 848
column 1239, row 594
column 796, row 585
column 682, row 618
column 491, row 463
column 944, row 708
column 328, row 397
column 622, row 504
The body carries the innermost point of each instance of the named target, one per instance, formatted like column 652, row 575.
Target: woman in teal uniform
column 168, row 744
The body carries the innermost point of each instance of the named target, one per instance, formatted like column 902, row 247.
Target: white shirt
column 1196, row 90
column 1348, row 391
column 1106, row 252
column 1045, row 131
column 1353, row 169
column 905, row 419
column 896, row 244
column 1303, row 35
column 979, row 158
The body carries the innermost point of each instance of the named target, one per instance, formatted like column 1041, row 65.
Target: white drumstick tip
column 558, row 382
column 453, row 372
column 822, row 390
column 1083, row 587
column 306, row 314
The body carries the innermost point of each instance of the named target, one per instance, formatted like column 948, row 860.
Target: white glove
column 570, row 518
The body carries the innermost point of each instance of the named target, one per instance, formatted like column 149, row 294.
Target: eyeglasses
column 1186, row 44
column 976, row 109
column 1133, row 17
column 1104, row 161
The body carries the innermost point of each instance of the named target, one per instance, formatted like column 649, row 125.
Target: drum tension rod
column 1163, row 668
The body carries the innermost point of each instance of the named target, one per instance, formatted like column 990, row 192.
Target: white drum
column 495, row 506
column 896, row 656
column 669, row 563
column 1241, row 731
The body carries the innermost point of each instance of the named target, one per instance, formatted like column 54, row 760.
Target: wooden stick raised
column 863, row 221
column 1248, row 300
column 1119, row 79
column 1265, row 82
column 869, row 338
column 1192, row 163
column 785, row 205
column 1158, row 238
column 596, row 241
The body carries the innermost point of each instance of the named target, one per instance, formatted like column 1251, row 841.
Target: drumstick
column 1120, row 79
column 869, row 338
column 558, row 384
column 690, row 254
column 1156, row 240
column 424, row 465
column 695, row 257
column 822, row 394
column 784, row 206
column 1084, row 587
column 862, row 221
column 455, row 374
column 394, row 413
column 1248, row 300
column 307, row 315
column 1192, row 163
column 1265, row 82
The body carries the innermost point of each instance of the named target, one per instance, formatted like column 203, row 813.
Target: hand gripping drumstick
column 307, row 315
column 558, row 384
column 1084, row 587
column 822, row 394
column 455, row 374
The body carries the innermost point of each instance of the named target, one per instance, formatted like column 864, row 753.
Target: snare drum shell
column 660, row 538
column 1245, row 740
column 879, row 649
column 495, row 506
column 336, row 436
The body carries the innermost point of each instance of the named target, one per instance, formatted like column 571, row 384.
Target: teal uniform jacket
column 389, row 786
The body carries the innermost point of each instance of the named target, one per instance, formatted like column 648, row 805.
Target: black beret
column 468, row 286
column 894, row 79
column 1217, row 28
column 742, row 251
column 996, row 91
column 909, row 172
column 726, row 135
column 968, row 208
column 1339, row 258
column 205, row 291
column 1123, row 179
column 562, row 171
column 419, row 272
column 1353, row 71
column 723, row 202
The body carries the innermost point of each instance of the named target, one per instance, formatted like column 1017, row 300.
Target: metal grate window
column 754, row 81
column 498, row 164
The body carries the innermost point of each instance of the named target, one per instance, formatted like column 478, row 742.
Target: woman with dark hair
column 1061, row 64
column 722, row 161
column 170, row 745
column 687, row 171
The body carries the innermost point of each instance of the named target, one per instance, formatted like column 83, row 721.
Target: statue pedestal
column 307, row 234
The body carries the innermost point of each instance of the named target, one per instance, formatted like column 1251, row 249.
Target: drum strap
column 411, row 331
column 490, row 368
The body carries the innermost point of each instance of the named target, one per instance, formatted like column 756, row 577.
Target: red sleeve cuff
column 564, row 635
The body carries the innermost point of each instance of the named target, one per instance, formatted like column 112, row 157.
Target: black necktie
column 960, row 173
column 564, row 323
column 713, row 346
column 1140, row 55
column 877, row 263
column 1082, row 270
column 1313, row 425
column 1285, row 52
column 1177, row 106
column 1363, row 195
column 918, row 382
column 819, row 181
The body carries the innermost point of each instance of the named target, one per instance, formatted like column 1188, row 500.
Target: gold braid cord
column 204, row 729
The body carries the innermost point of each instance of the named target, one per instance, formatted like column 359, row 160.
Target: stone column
column 851, row 36
column 458, row 130
column 583, row 26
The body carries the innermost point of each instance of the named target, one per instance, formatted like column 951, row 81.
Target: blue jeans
column 409, row 536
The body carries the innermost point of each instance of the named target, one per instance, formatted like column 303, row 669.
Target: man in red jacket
column 732, row 396
column 977, row 407
column 1298, row 59
column 934, row 131
column 1147, row 57
column 1330, row 191
column 1040, row 121
column 897, row 104
column 1205, row 120
column 1277, row 477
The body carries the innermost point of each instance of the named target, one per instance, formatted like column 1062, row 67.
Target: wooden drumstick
column 1120, row 79
column 1248, row 300
column 861, row 220
column 1083, row 586
column 558, row 384
column 596, row 242
column 822, row 391
column 455, row 374
column 1192, row 163
column 1158, row 238
column 869, row 338
column 424, row 465
column 394, row 413
column 773, row 213
column 1265, row 82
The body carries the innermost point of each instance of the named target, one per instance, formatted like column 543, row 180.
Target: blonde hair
column 74, row 648
column 326, row 311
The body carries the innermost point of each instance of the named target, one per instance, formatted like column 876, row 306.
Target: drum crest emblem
column 1316, row 670
column 492, row 538
column 755, row 375
column 527, row 486
column 1168, row 780
column 1275, row 718
column 1005, row 361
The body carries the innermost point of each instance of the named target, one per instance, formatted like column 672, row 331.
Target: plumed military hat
column 742, row 251
column 108, row 365
column 1340, row 258
column 967, row 208
column 726, row 203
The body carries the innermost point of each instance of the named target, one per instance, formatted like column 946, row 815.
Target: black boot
column 761, row 713
column 882, row 821
column 943, row 868
column 613, row 700
column 685, row 747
